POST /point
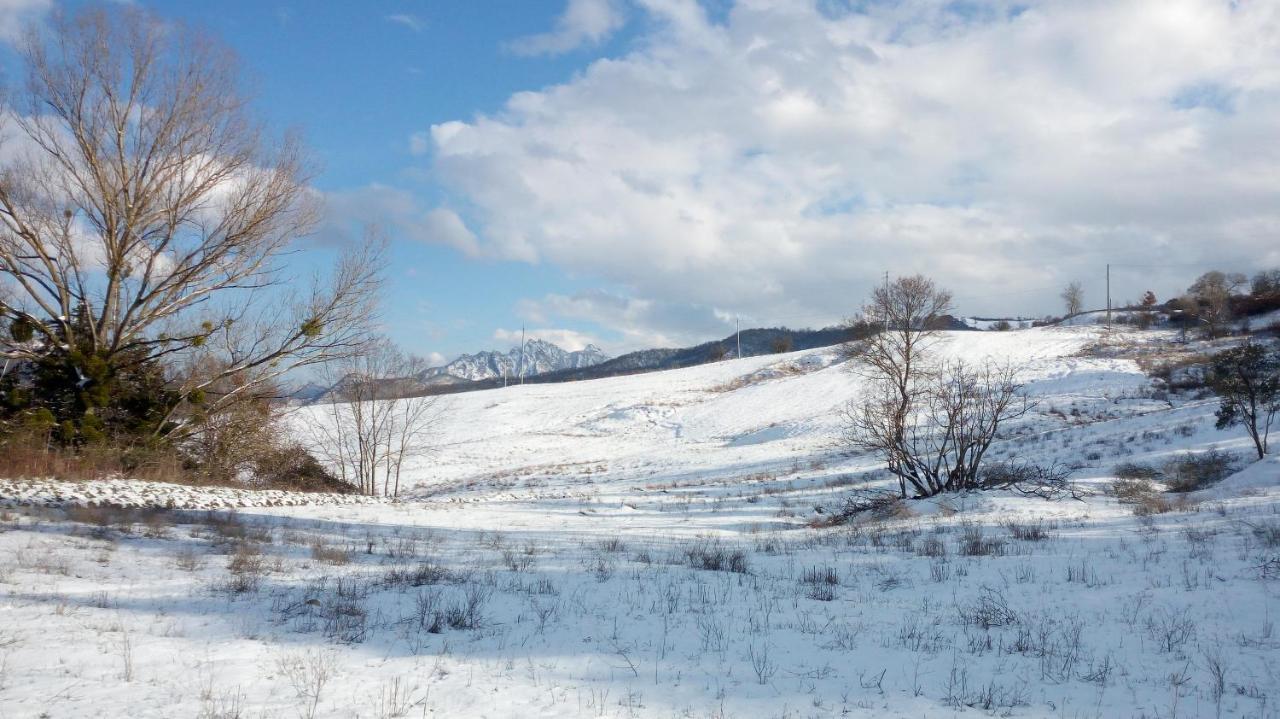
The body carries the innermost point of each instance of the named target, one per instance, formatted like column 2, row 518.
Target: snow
column 593, row 528
column 134, row 493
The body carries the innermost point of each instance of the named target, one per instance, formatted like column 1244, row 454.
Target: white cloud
column 584, row 22
column 639, row 323
column 413, row 22
column 775, row 163
column 397, row 212
column 15, row 14
column 565, row 339
column 419, row 143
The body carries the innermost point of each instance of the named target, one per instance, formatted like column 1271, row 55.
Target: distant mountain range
column 539, row 357
column 545, row 362
column 754, row 342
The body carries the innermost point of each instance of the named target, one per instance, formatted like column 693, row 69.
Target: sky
column 638, row 173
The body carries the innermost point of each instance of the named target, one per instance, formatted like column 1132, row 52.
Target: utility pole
column 521, row 354
column 1108, row 296
column 886, row 300
column 737, row 330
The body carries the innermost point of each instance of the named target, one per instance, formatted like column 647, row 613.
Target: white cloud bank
column 15, row 14
column 775, row 161
column 583, row 23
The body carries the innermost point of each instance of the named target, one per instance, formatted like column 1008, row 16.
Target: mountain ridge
column 539, row 357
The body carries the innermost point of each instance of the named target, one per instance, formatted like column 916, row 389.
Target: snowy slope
column 642, row 547
column 746, row 414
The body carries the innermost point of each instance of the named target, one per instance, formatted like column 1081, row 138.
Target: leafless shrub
column 156, row 523
column 1146, row 498
column 1197, row 470
column 975, row 543
column 713, row 556
column 126, row 654
column 424, row 573
column 308, row 673
column 101, row 518
column 932, row 547
column 188, row 559
column 919, row 634
column 613, row 545
column 1028, row 531
column 1132, row 490
column 820, row 575
column 1083, row 573
column 990, row 609
column 1135, row 470
column 247, row 567
column 394, row 699
column 329, row 553
column 820, row 592
column 1046, row 481
column 1216, row 666
column 1170, row 629
column 879, row 504
column 519, row 560
column 468, row 612
column 428, row 615
column 1267, row 532
column 764, row 667
column 230, row 528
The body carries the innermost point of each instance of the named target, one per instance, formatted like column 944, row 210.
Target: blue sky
column 359, row 79
column 640, row 173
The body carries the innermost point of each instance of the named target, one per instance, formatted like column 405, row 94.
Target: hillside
column 649, row 545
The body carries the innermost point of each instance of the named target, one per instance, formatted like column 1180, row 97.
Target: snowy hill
column 538, row 357
column 653, row 545
column 739, row 416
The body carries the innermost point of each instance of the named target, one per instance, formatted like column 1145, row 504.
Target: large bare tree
column 145, row 215
column 954, row 418
column 896, row 360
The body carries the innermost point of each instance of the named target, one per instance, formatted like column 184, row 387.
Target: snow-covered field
column 644, row 546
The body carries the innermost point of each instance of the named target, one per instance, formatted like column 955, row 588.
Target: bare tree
column 373, row 418
column 940, row 444
column 1073, row 298
column 896, row 360
column 1209, row 299
column 146, row 216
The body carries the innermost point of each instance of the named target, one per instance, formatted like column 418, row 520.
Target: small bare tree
column 896, row 360
column 1073, row 298
column 145, row 216
column 373, row 418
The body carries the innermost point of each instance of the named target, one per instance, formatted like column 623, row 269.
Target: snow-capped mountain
column 539, row 357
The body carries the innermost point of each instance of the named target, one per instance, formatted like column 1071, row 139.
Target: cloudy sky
column 642, row 172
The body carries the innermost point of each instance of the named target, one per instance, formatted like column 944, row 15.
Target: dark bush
column 1136, row 470
column 1193, row 471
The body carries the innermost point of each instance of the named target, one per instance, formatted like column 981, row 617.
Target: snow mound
column 136, row 493
column 1261, row 475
